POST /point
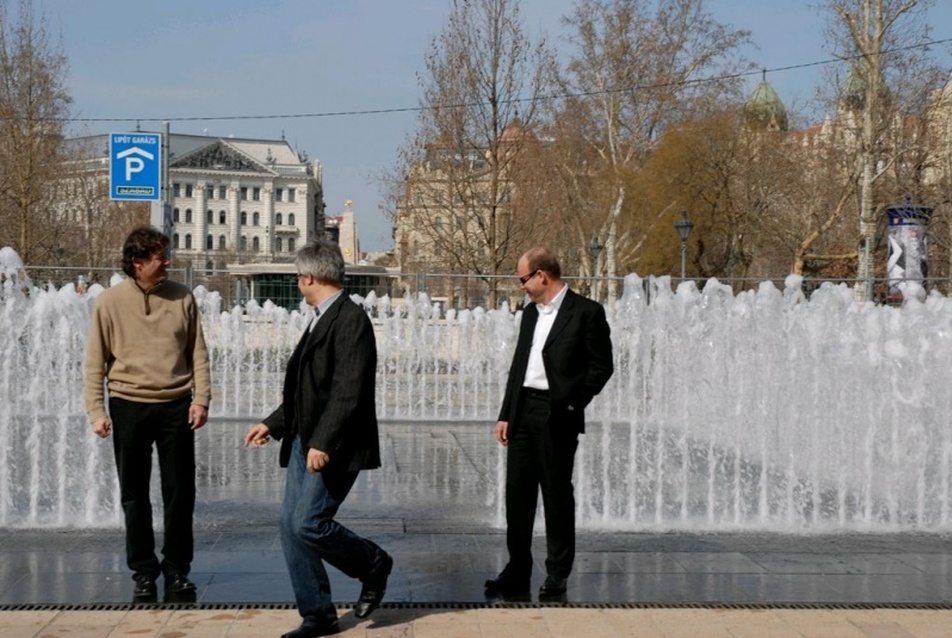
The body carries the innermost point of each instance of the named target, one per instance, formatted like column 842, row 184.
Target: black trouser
column 136, row 426
column 541, row 453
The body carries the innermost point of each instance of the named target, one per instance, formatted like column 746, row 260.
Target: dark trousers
column 136, row 427
column 540, row 454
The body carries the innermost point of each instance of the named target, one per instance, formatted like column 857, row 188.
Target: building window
column 175, row 215
column 255, row 219
column 244, row 193
column 290, row 244
column 278, row 194
column 188, row 215
column 209, row 216
column 209, row 192
column 256, row 194
column 244, row 218
column 222, row 216
column 222, row 192
column 255, row 245
column 209, row 265
column 243, row 244
column 290, row 194
column 188, row 241
column 176, row 189
column 221, row 242
column 278, row 245
column 290, row 219
column 277, row 219
column 209, row 242
column 175, row 241
column 188, row 190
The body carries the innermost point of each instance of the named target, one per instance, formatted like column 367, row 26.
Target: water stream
column 761, row 411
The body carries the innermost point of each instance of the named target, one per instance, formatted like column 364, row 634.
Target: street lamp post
column 595, row 248
column 683, row 226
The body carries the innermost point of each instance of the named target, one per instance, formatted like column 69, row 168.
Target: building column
column 268, row 219
column 234, row 214
column 202, row 224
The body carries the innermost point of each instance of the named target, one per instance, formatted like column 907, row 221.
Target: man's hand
column 102, row 426
column 502, row 432
column 258, row 435
column 316, row 459
column 197, row 416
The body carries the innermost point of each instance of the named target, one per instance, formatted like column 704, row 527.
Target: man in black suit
column 327, row 425
column 563, row 358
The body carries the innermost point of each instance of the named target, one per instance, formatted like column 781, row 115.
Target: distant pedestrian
column 146, row 344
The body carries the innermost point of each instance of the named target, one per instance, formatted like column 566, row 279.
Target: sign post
column 135, row 161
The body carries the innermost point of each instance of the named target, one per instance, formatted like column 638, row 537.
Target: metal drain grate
column 477, row 605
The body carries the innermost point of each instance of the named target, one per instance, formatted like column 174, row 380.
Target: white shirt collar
column 555, row 304
column 327, row 303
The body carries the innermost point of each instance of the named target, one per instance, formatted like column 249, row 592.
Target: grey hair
column 322, row 260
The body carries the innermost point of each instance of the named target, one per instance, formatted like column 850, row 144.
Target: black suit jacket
column 329, row 391
column 577, row 356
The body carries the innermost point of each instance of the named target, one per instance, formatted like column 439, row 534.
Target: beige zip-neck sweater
column 148, row 345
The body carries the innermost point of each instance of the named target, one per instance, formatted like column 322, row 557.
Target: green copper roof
column 764, row 107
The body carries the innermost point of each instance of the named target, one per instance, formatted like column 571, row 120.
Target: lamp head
column 684, row 226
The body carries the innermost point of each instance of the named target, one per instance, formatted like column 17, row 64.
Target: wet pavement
column 238, row 561
column 435, row 508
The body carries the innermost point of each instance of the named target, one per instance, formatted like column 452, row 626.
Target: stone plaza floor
column 74, row 582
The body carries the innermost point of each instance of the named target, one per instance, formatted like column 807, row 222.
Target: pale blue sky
column 214, row 58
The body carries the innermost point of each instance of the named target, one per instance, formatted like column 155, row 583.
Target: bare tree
column 33, row 106
column 459, row 209
column 875, row 36
column 639, row 66
column 89, row 226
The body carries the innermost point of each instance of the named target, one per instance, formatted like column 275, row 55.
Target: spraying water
column 761, row 411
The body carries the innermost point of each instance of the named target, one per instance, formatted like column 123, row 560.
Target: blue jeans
column 310, row 536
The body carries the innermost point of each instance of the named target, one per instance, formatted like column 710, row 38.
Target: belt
column 534, row 393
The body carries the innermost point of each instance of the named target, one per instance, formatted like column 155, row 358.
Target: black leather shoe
column 553, row 586
column 507, row 586
column 144, row 587
column 178, row 584
column 313, row 630
column 374, row 588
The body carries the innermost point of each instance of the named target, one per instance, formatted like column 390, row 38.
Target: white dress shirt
column 535, row 371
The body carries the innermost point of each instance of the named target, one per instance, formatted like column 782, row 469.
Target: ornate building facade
column 235, row 200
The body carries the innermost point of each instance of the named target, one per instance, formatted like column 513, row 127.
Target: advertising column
column 907, row 255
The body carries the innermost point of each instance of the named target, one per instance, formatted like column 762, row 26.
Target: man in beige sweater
column 146, row 343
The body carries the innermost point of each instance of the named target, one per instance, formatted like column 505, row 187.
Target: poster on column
column 907, row 253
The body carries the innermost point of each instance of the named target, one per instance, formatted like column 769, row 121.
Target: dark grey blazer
column 329, row 391
column 577, row 356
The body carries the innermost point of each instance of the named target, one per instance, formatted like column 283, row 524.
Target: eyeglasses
column 525, row 280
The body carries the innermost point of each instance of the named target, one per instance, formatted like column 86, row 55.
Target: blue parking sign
column 135, row 166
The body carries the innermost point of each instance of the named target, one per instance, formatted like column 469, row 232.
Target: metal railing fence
column 452, row 291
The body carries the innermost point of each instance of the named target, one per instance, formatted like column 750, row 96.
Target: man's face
column 530, row 280
column 152, row 270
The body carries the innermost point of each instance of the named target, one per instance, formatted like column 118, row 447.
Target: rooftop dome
column 764, row 108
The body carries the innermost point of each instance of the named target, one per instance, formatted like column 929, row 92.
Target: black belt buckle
column 534, row 393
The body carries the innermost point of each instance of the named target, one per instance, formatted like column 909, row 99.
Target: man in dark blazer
column 327, row 425
column 563, row 358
